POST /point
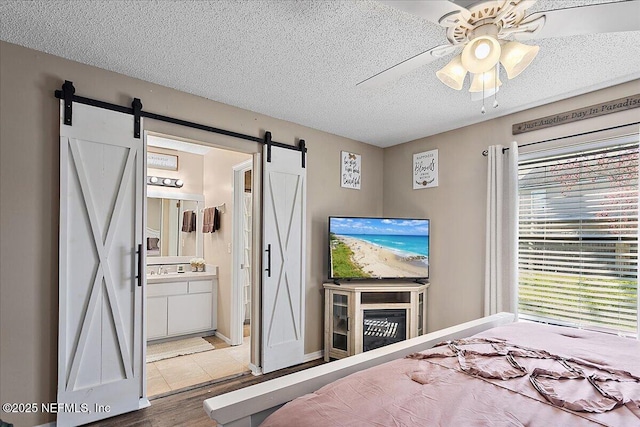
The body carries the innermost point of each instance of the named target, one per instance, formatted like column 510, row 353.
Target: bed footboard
column 249, row 406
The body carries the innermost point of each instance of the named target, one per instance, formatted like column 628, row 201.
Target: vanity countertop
column 173, row 277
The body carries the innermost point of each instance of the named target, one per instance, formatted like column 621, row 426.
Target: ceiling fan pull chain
column 495, row 93
column 483, row 110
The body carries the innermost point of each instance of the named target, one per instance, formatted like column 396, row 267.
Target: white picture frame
column 162, row 161
column 425, row 169
column 350, row 170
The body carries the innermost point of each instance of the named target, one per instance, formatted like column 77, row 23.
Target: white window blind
column 578, row 238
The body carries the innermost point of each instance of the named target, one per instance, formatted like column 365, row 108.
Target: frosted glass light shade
column 480, row 54
column 516, row 57
column 453, row 73
column 489, row 81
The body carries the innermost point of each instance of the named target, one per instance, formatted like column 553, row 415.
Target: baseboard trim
column 223, row 338
column 143, row 403
column 313, row 356
column 255, row 370
column 51, row 424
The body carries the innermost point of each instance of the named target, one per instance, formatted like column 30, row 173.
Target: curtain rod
column 486, row 152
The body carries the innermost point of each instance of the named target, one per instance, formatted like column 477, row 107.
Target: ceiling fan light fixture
column 491, row 82
column 516, row 57
column 453, row 73
column 482, row 50
column 480, row 54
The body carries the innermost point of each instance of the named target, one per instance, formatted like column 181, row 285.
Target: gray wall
column 29, row 189
column 457, row 206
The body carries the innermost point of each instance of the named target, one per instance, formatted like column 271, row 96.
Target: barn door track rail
column 68, row 94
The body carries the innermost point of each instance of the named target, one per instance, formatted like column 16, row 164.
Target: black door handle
column 139, row 276
column 268, row 251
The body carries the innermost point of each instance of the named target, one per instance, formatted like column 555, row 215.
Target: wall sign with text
column 425, row 169
column 162, row 161
column 350, row 170
column 591, row 111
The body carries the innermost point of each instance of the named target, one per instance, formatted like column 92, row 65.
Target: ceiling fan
column 487, row 34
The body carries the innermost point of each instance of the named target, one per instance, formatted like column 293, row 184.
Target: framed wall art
column 162, row 161
column 350, row 170
column 425, row 169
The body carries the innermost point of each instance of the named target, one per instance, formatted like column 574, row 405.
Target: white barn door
column 100, row 304
column 283, row 279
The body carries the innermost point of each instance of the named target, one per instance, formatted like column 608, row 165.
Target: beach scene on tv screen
column 377, row 247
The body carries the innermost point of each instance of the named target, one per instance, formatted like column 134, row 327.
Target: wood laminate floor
column 185, row 408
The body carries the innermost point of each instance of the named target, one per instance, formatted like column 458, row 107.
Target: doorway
column 206, row 349
column 118, row 339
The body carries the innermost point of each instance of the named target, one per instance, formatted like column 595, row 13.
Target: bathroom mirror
column 174, row 224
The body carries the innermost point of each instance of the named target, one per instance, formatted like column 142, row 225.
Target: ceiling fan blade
column 596, row 18
column 407, row 65
column 430, row 10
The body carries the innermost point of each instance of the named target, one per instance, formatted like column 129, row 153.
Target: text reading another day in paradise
column 580, row 114
column 53, row 408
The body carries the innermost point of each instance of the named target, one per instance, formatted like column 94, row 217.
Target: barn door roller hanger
column 68, row 94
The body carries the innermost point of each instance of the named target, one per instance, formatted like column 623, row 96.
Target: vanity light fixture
column 165, row 182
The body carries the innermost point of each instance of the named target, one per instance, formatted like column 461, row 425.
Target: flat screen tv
column 378, row 248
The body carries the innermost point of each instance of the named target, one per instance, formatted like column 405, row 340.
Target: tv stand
column 360, row 316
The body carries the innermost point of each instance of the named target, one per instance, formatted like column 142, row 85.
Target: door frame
column 237, row 319
column 256, row 262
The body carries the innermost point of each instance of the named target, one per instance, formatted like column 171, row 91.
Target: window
column 578, row 237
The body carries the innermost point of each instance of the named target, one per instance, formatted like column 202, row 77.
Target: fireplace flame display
column 383, row 327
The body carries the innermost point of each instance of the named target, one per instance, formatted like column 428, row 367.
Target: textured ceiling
column 300, row 60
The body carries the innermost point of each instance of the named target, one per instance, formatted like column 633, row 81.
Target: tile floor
column 165, row 376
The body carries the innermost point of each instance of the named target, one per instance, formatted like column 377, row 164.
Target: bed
column 486, row 372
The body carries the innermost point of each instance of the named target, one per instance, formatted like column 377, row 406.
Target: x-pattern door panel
column 100, row 328
column 284, row 277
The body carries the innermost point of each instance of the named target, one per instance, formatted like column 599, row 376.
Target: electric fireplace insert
column 383, row 327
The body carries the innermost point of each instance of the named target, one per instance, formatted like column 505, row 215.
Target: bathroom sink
column 168, row 273
column 174, row 275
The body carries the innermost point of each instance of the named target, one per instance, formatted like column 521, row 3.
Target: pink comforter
column 521, row 374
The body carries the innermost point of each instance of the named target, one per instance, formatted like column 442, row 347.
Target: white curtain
column 501, row 256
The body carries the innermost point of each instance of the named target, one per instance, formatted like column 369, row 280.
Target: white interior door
column 242, row 259
column 283, row 279
column 247, row 220
column 100, row 305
